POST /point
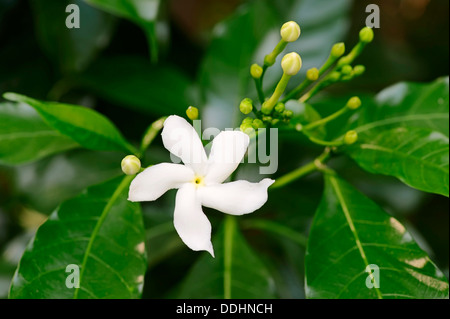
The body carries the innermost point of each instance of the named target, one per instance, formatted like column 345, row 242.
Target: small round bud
column 288, row 114
column 246, row 127
column 334, row 76
column 280, row 107
column 366, row 35
column 131, row 165
column 257, row 123
column 275, row 122
column 266, row 108
column 354, row 103
column 247, row 120
column 338, row 50
column 291, row 63
column 290, row 31
column 246, row 106
column 267, row 119
column 351, row 137
column 256, row 71
column 359, row 70
column 192, row 113
column 347, row 69
column 312, row 74
column 270, row 59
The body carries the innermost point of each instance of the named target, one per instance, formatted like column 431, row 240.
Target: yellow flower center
column 198, row 181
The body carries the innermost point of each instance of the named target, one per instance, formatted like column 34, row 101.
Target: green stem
column 326, row 143
column 270, row 59
column 277, row 229
column 297, row 90
column 258, row 84
column 150, row 135
column 313, row 166
column 325, row 120
column 230, row 228
column 281, row 87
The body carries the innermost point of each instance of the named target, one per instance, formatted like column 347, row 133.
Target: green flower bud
column 246, row 106
column 366, row 35
column 256, row 71
column 192, row 113
column 246, row 128
column 291, row 63
column 288, row 114
column 338, row 50
column 247, row 120
column 334, row 76
column 280, row 107
column 312, row 74
column 354, row 103
column 257, row 123
column 275, row 122
column 351, row 137
column 290, row 31
column 347, row 69
column 267, row 119
column 131, row 165
column 359, row 70
column 266, row 108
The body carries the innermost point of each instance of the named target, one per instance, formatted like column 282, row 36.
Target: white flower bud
column 291, row 63
column 290, row 31
column 131, row 165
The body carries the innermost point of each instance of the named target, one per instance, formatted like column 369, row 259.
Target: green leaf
column 252, row 33
column 159, row 90
column 349, row 233
column 306, row 114
column 75, row 48
column 25, row 137
column 90, row 129
column 236, row 272
column 142, row 12
column 406, row 135
column 418, row 157
column 101, row 232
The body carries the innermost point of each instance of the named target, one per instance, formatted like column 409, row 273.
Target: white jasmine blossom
column 200, row 181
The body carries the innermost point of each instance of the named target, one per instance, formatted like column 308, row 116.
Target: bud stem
column 325, row 120
column 281, row 87
column 150, row 135
column 269, row 60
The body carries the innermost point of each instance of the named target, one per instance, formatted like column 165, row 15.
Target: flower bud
column 288, row 114
column 246, row 127
column 192, row 113
column 257, row 123
column 290, row 31
column 291, row 63
column 338, row 50
column 351, row 137
column 267, row 119
column 246, row 106
column 256, row 71
column 131, row 165
column 347, row 69
column 312, row 74
column 275, row 122
column 334, row 76
column 280, row 107
column 354, row 103
column 359, row 70
column 366, row 35
column 247, row 120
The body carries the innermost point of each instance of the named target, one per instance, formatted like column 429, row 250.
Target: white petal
column 236, row 198
column 158, row 179
column 190, row 222
column 228, row 150
column 181, row 139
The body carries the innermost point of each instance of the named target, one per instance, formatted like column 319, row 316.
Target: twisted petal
column 181, row 139
column 158, row 179
column 228, row 150
column 190, row 222
column 236, row 198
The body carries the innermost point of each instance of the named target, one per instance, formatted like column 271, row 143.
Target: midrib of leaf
column 344, row 207
column 403, row 155
column 230, row 225
column 98, row 225
column 399, row 119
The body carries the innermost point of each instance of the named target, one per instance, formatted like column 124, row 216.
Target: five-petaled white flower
column 199, row 181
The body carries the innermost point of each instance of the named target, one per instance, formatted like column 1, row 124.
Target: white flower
column 199, row 181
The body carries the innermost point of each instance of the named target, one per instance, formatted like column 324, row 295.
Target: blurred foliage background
column 204, row 50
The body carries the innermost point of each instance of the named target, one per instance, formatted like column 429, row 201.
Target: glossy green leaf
column 406, row 135
column 101, row 232
column 25, row 137
column 90, row 129
column 73, row 49
column 235, row 272
column 141, row 12
column 252, row 33
column 350, row 233
column 159, row 90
